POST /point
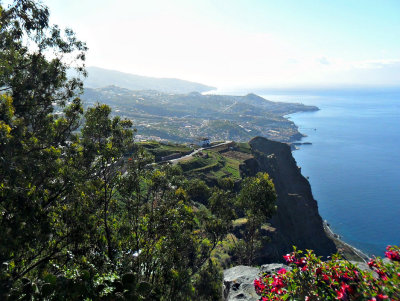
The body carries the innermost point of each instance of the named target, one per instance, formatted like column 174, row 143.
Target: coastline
column 348, row 251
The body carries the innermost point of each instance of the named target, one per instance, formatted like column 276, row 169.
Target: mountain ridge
column 101, row 77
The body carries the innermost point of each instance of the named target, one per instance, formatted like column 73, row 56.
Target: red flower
column 301, row 262
column 259, row 285
column 346, row 277
column 381, row 297
column 393, row 255
column 325, row 278
column 372, row 263
column 278, row 283
column 340, row 295
column 382, row 275
column 289, row 258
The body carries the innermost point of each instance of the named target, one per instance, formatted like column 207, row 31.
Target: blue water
column 353, row 164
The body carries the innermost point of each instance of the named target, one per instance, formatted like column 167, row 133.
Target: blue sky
column 242, row 43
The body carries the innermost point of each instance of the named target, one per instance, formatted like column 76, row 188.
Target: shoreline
column 348, row 251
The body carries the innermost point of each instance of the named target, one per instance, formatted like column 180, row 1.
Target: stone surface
column 239, row 281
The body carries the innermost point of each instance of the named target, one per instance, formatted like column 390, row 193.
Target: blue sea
column 353, row 164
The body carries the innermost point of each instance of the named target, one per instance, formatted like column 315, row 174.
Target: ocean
column 353, row 163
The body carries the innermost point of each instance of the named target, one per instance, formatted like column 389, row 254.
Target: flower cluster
column 272, row 283
column 392, row 253
column 377, row 266
column 336, row 279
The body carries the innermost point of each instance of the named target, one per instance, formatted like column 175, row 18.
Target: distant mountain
column 99, row 78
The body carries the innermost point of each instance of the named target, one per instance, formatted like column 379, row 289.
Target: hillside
column 184, row 117
column 99, row 77
column 297, row 221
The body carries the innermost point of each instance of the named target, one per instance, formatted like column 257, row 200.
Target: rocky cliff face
column 297, row 221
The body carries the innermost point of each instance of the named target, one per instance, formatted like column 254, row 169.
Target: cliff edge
column 297, row 221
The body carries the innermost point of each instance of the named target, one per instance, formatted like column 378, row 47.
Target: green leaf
column 128, row 279
column 85, row 275
column 47, row 289
column 144, row 288
column 50, row 278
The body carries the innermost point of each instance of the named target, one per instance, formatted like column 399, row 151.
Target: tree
column 198, row 191
column 257, row 200
column 105, row 142
column 168, row 243
column 84, row 214
column 222, row 210
column 39, row 111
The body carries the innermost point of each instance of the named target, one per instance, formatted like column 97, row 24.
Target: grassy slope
column 159, row 150
column 213, row 164
column 210, row 166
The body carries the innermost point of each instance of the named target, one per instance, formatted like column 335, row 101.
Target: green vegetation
column 211, row 165
column 255, row 199
column 244, row 147
column 160, row 150
column 185, row 117
column 84, row 214
column 310, row 278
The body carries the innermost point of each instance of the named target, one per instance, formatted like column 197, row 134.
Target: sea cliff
column 297, row 221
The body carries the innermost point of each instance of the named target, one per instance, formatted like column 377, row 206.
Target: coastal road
column 175, row 161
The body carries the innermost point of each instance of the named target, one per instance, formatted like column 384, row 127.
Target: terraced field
column 220, row 162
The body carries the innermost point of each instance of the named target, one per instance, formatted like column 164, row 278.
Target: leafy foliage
column 336, row 279
column 84, row 212
column 76, row 215
column 39, row 111
column 257, row 201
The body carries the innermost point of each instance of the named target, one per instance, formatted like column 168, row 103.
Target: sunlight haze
column 241, row 43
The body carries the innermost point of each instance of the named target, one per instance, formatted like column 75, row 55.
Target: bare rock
column 239, row 281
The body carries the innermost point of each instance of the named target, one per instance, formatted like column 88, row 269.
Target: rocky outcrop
column 297, row 221
column 239, row 281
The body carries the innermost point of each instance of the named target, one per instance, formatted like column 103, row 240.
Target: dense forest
column 84, row 214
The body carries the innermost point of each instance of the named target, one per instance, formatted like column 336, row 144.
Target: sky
column 242, row 43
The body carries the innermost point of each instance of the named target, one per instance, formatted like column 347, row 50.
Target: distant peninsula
column 183, row 117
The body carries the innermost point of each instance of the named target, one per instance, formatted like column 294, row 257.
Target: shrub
column 337, row 279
